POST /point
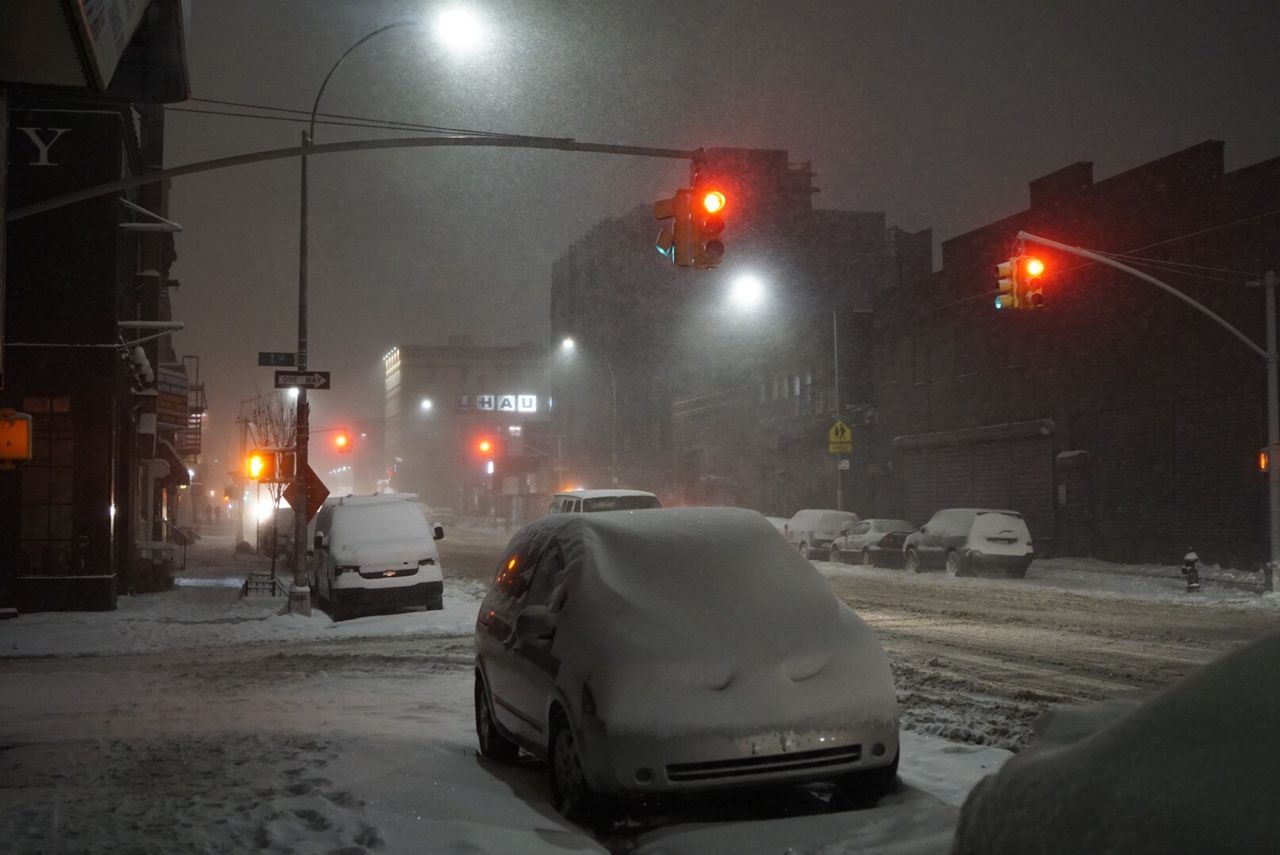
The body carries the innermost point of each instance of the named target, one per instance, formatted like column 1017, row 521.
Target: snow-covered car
column 593, row 501
column 971, row 541
column 812, row 530
column 1185, row 771
column 375, row 552
column 866, row 542
column 677, row 650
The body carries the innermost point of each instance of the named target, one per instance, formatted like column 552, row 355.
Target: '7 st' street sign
column 304, row 379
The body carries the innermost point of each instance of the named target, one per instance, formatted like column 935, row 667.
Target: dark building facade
column 85, row 284
column 1121, row 422
column 718, row 403
column 442, row 401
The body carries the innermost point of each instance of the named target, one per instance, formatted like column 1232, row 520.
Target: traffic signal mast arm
column 1110, row 262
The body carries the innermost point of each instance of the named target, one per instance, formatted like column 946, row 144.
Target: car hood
column 406, row 552
column 708, row 625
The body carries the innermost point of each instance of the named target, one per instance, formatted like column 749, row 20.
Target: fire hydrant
column 1190, row 570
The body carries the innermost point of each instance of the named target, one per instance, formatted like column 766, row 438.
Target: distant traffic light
column 1032, row 270
column 1019, row 283
column 342, row 443
column 486, row 447
column 1007, row 283
column 1264, row 460
column 674, row 240
column 260, row 465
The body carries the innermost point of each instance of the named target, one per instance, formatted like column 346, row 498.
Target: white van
column 376, row 552
column 591, row 501
column 812, row 530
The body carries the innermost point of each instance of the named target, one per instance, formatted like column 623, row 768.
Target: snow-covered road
column 197, row 721
column 976, row 660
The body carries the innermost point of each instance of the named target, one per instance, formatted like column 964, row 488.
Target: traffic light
column 1033, row 288
column 260, row 465
column 486, row 447
column 343, row 443
column 1007, row 282
column 1264, row 460
column 675, row 240
column 707, row 218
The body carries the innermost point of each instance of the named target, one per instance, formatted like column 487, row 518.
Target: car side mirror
column 922, row 528
column 437, row 533
column 535, row 623
column 319, row 542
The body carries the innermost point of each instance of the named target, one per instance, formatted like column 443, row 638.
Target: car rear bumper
column 986, row 564
column 644, row 764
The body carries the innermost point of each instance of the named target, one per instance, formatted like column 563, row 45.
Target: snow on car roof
column 595, row 494
column 667, row 605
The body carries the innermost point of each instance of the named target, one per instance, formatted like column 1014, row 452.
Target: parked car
column 780, row 523
column 375, row 552
column 673, row 651
column 442, row 516
column 811, row 531
column 971, row 540
column 865, row 542
column 590, row 501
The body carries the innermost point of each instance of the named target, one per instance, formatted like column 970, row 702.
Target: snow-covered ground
column 198, row 721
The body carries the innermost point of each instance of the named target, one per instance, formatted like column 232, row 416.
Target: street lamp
column 453, row 28
column 569, row 346
column 746, row 292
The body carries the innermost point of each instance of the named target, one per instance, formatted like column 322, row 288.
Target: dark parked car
column 672, row 651
column 866, row 542
column 963, row 541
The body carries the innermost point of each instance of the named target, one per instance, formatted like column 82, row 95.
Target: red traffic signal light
column 342, row 442
column 485, row 446
column 708, row 223
column 1032, row 269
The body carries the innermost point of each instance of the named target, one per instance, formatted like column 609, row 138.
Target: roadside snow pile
column 214, row 615
column 1192, row 770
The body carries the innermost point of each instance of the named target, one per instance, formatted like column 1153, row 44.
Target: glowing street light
column 568, row 344
column 425, row 405
column 459, row 29
column 746, row 292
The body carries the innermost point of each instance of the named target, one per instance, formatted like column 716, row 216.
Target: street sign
column 843, row 464
column 839, row 439
column 305, row 379
column 317, row 492
column 275, row 357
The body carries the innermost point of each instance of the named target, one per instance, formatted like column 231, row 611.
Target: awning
column 178, row 475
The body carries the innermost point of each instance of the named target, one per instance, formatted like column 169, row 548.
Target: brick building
column 1122, row 423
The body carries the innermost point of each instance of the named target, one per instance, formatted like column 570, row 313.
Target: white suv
column 376, row 551
column 590, row 501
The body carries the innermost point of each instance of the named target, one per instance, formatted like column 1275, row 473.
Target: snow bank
column 1195, row 769
column 214, row 615
column 704, row 620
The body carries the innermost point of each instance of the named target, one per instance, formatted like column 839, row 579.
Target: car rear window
column 1000, row 528
column 619, row 503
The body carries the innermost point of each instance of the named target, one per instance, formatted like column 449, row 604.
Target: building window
column 47, row 491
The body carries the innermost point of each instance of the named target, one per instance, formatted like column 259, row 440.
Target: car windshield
column 378, row 521
column 619, row 503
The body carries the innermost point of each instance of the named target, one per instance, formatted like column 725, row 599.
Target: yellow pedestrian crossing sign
column 839, row 438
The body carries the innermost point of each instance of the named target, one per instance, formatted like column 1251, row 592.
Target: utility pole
column 835, row 370
column 1273, row 432
column 299, row 591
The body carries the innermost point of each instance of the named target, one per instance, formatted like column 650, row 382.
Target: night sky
column 937, row 113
